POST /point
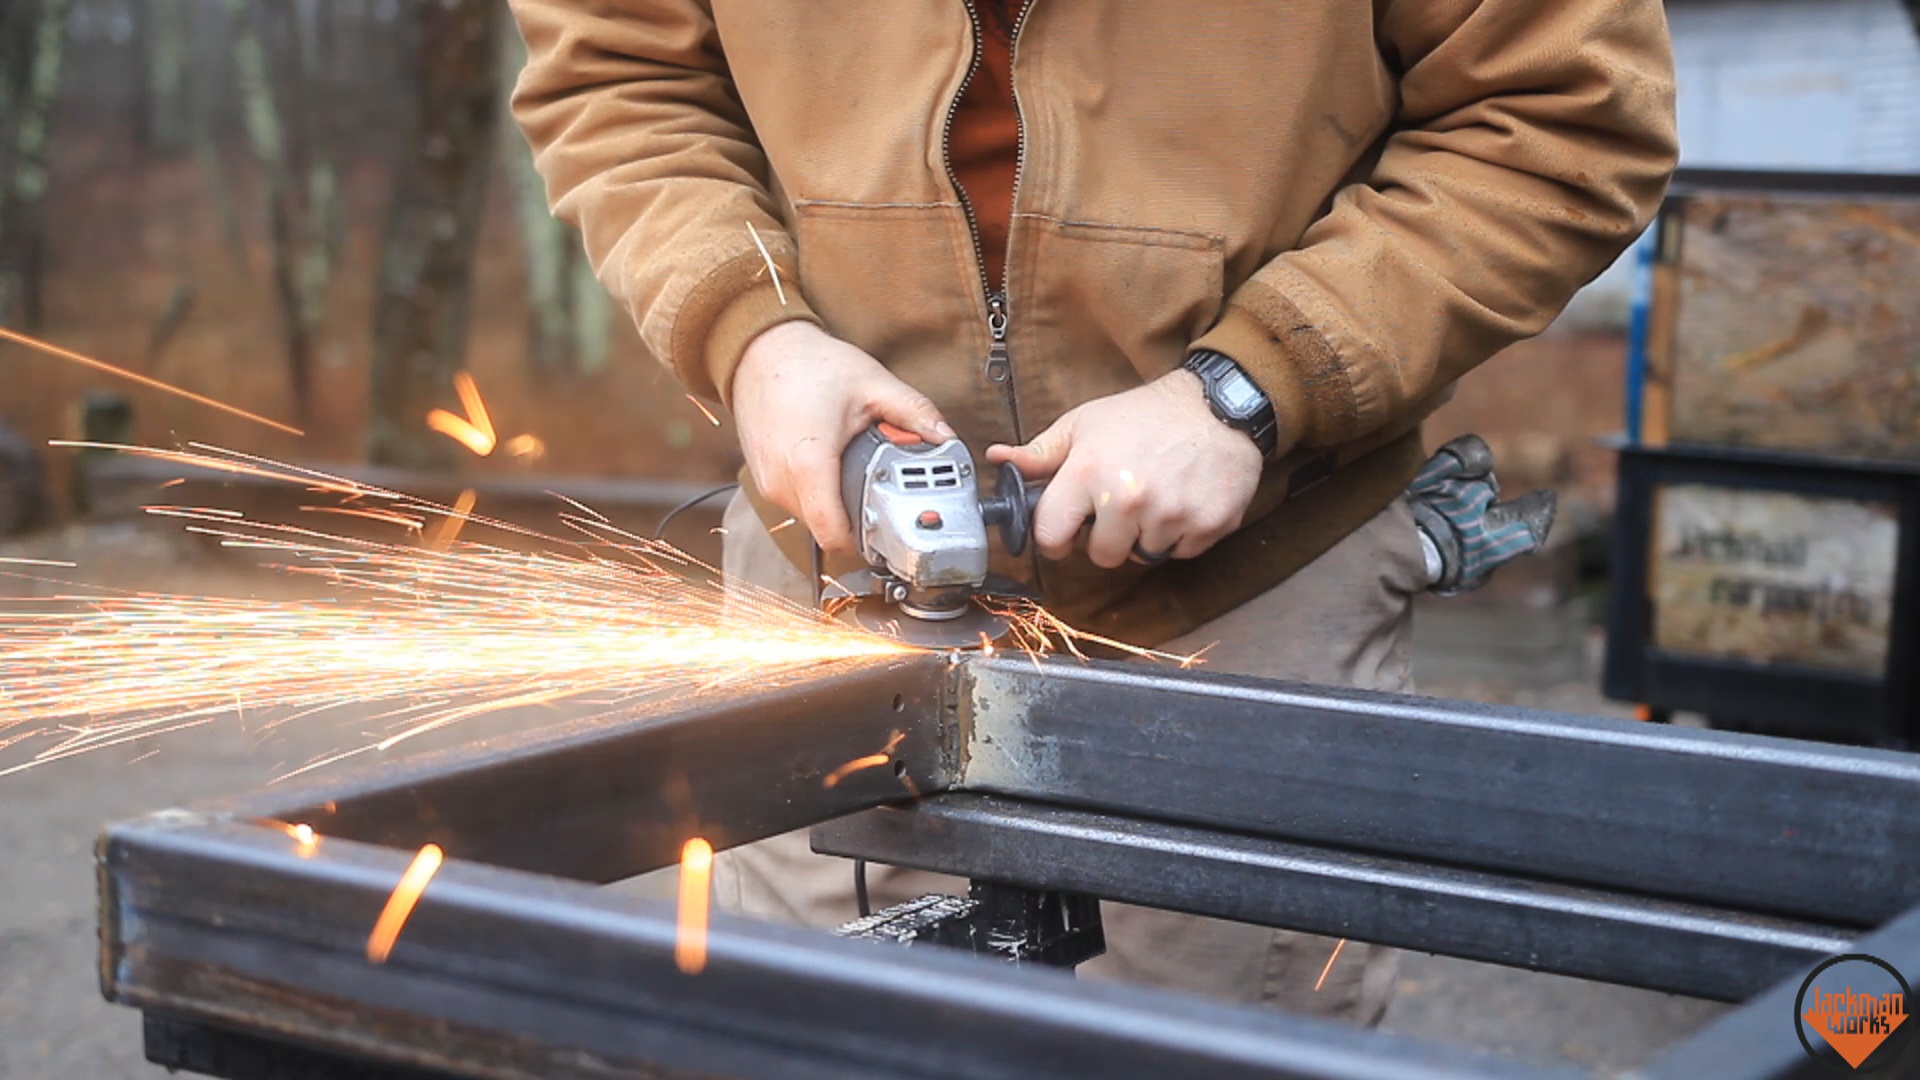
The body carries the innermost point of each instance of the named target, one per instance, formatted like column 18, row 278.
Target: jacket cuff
column 723, row 314
column 1292, row 361
column 749, row 315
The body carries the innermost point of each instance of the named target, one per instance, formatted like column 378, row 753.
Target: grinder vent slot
column 923, row 477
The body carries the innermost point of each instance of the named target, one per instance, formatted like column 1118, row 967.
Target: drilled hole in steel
column 899, row 768
column 899, row 703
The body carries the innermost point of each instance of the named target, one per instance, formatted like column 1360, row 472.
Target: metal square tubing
column 1622, row 938
column 217, row 920
column 1757, row 1042
column 510, row 976
column 1823, row 833
column 607, row 799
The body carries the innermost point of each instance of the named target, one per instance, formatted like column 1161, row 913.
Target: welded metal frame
column 1705, row 863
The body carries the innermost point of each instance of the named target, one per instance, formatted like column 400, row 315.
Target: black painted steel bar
column 1655, row 944
column 1825, row 833
column 609, row 799
column 510, row 976
column 1758, row 1040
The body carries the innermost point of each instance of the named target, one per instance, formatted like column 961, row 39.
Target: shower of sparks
column 415, row 634
column 420, row 638
column 1034, row 630
column 150, row 383
column 696, row 895
column 1328, row 970
column 393, row 918
column 473, row 431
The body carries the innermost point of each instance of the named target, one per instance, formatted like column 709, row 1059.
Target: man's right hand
column 799, row 396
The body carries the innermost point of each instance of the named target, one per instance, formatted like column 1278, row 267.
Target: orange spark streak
column 871, row 761
column 385, row 517
column 526, row 447
column 778, row 289
column 38, row 562
column 582, row 507
column 696, row 880
column 704, row 411
column 400, row 905
column 449, row 528
column 473, row 431
column 305, row 839
column 1328, row 970
column 150, row 383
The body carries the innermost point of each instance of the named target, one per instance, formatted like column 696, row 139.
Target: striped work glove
column 1466, row 532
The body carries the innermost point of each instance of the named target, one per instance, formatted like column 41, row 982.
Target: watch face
column 1238, row 396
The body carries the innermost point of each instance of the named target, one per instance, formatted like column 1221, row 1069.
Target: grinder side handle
column 1011, row 508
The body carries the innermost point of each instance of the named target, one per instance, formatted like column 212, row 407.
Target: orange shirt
column 984, row 142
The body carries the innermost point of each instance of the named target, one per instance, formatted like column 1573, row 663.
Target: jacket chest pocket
column 1100, row 309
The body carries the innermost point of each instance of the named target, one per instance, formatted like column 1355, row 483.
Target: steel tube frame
column 1276, row 804
column 1588, row 933
column 1800, row 830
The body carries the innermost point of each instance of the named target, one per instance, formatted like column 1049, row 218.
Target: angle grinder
column 922, row 527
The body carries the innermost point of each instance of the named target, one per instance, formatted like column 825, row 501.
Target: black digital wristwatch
column 1236, row 399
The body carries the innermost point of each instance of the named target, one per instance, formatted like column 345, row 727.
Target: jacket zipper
column 999, row 367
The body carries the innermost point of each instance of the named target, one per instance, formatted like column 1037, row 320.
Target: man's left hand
column 1153, row 468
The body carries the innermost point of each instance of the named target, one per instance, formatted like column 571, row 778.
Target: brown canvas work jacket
column 1358, row 202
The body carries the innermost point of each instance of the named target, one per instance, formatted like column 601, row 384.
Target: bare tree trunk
column 204, row 126
column 420, row 317
column 12, row 19
column 163, row 44
column 568, row 312
column 307, row 118
column 303, row 188
column 265, row 132
column 36, row 55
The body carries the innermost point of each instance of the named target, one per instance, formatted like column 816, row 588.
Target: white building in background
column 1813, row 85
column 1798, row 84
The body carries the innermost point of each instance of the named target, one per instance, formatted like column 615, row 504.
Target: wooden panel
column 1771, row 577
column 1797, row 325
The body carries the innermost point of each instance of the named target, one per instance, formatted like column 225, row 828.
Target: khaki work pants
column 1345, row 620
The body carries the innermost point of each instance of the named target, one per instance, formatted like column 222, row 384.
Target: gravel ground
column 54, row 1025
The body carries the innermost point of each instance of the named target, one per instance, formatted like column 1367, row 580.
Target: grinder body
column 916, row 515
column 921, row 525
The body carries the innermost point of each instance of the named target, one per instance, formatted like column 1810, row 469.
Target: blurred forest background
column 317, row 210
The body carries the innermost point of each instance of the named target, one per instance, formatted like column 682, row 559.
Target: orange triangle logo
column 1855, row 1026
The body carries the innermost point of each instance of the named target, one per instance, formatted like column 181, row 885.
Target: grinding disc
column 971, row 630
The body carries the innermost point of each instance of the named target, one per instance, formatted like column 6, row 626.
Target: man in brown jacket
column 1205, row 264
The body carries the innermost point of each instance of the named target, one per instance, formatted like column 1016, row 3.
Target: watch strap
column 1261, row 423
